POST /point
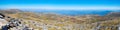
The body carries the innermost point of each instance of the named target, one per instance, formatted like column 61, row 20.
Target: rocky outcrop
column 11, row 24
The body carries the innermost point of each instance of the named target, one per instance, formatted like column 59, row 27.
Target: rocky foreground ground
column 35, row 21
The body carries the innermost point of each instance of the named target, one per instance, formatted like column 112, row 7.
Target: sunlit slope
column 54, row 21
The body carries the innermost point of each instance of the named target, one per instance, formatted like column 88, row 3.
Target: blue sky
column 61, row 4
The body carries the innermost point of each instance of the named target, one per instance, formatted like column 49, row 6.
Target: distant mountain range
column 10, row 11
column 76, row 12
column 65, row 12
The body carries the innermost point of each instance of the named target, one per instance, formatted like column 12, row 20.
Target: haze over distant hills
column 65, row 12
column 75, row 12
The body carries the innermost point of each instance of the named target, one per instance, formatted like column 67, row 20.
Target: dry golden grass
column 62, row 21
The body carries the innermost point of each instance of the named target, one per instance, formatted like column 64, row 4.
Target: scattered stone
column 12, row 24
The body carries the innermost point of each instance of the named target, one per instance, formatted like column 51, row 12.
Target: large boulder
column 2, row 16
column 3, row 22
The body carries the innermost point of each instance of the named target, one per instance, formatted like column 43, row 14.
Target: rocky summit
column 7, row 23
